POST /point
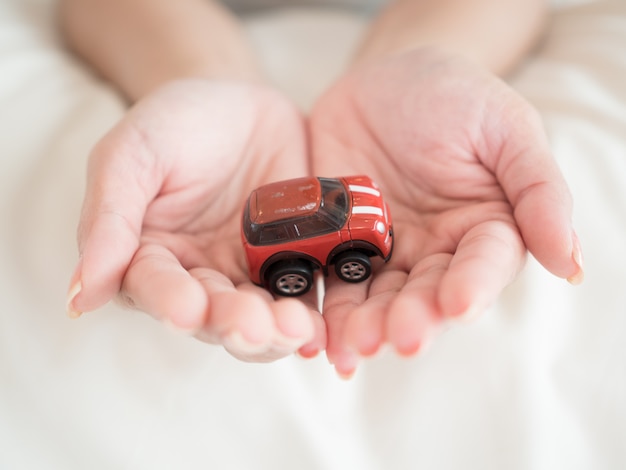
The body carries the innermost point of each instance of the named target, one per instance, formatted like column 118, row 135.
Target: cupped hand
column 161, row 219
column 466, row 169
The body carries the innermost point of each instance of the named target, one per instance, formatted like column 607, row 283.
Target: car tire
column 290, row 278
column 353, row 266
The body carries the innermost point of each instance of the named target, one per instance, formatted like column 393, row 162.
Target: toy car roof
column 273, row 202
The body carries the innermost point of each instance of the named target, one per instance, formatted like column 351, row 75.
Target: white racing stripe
column 367, row 210
column 355, row 188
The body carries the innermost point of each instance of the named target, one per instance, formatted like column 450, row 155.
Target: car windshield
column 330, row 217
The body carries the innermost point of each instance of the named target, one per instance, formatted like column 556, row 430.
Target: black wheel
column 290, row 278
column 353, row 266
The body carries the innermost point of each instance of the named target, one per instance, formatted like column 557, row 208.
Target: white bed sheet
column 539, row 382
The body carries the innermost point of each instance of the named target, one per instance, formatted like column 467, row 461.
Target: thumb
column 539, row 195
column 121, row 181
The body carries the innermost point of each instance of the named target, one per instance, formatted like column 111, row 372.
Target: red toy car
column 290, row 228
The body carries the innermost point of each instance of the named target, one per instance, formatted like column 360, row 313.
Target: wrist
column 494, row 34
column 140, row 44
column 211, row 69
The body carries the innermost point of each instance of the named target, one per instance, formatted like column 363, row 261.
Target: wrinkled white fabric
column 538, row 382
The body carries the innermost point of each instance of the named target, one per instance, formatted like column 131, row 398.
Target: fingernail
column 72, row 312
column 307, row 353
column 577, row 257
column 470, row 314
column 409, row 349
column 345, row 374
column 346, row 366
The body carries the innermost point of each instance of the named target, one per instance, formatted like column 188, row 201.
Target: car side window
column 312, row 226
column 275, row 233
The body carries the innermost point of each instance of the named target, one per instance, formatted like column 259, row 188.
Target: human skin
column 423, row 58
column 160, row 225
column 465, row 166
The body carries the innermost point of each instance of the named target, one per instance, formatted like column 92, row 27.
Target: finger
column 415, row 316
column 312, row 300
column 248, row 327
column 487, row 259
column 98, row 275
column 157, row 284
column 243, row 323
column 365, row 326
column 539, row 195
column 319, row 340
column 111, row 219
column 249, row 323
column 298, row 328
column 340, row 301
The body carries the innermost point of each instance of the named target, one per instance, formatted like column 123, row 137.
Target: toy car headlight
column 380, row 227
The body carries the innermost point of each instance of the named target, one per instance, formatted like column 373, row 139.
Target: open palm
column 161, row 219
column 465, row 167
